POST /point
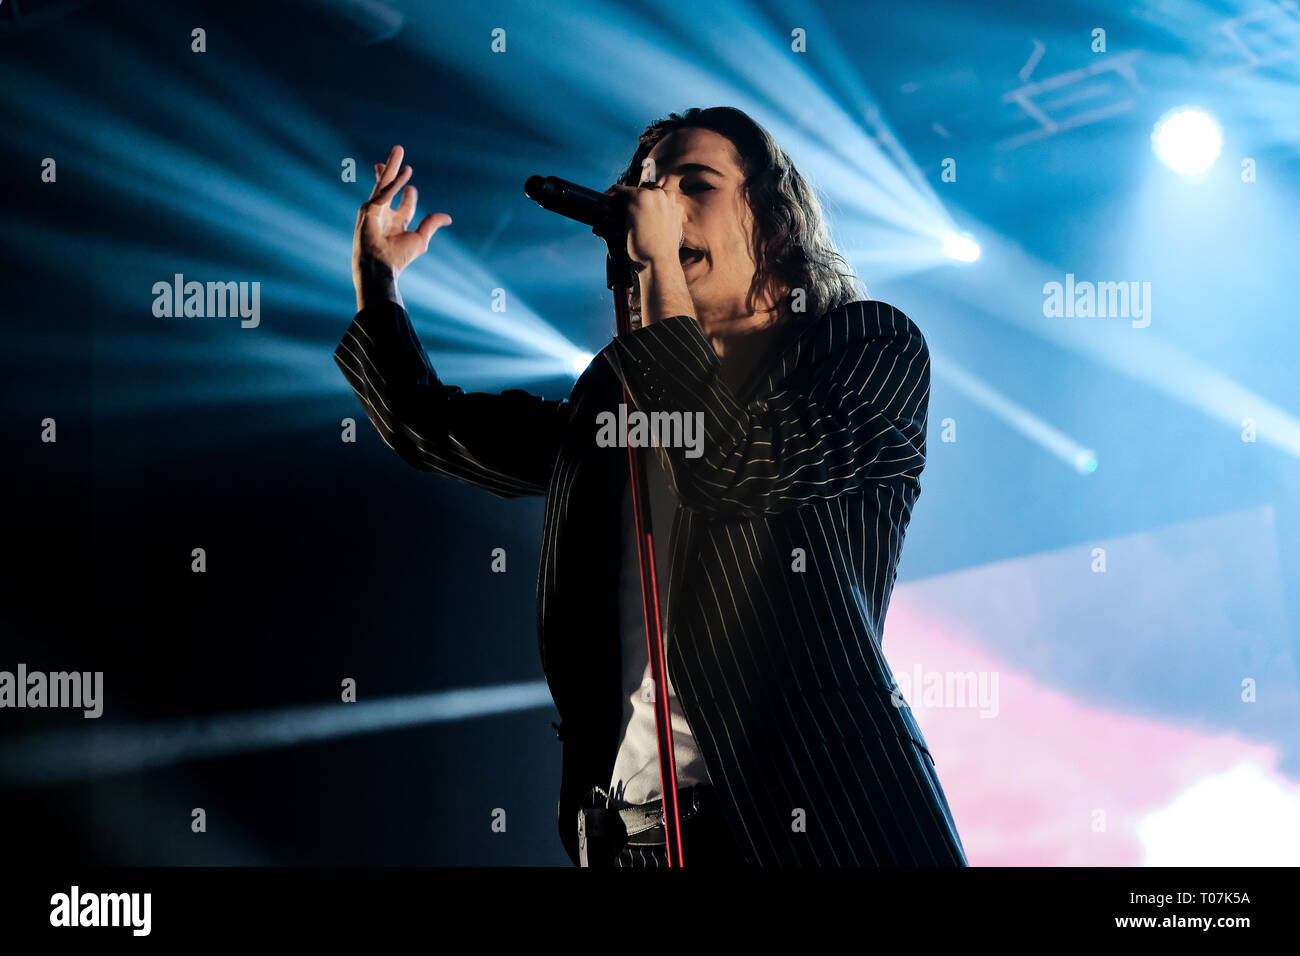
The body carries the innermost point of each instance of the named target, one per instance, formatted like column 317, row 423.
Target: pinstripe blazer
column 784, row 552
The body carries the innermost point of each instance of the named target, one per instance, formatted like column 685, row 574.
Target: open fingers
column 432, row 223
column 387, row 170
column 386, row 194
column 406, row 208
column 391, row 165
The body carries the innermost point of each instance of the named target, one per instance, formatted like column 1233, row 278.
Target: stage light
column 46, row 758
column 361, row 21
column 1017, row 416
column 580, row 361
column 1187, row 140
column 960, row 247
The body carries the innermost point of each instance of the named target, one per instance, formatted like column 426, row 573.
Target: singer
column 778, row 545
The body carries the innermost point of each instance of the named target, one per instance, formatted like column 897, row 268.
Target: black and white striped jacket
column 784, row 550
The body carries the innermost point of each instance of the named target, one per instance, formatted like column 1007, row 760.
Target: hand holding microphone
column 652, row 219
column 655, row 232
column 619, row 209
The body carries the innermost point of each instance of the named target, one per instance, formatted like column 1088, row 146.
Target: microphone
column 575, row 202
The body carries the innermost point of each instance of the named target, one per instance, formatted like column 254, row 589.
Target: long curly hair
column 791, row 246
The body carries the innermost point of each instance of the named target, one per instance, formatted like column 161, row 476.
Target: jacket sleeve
column 505, row 443
column 853, row 417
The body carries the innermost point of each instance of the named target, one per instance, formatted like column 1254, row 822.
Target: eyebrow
column 695, row 168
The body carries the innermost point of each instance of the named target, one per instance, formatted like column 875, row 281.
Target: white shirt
column 636, row 768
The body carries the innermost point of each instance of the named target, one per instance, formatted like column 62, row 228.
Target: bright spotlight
column 580, row 361
column 1086, row 461
column 1187, row 140
column 961, row 247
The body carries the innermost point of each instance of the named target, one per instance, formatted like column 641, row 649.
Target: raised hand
column 382, row 246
